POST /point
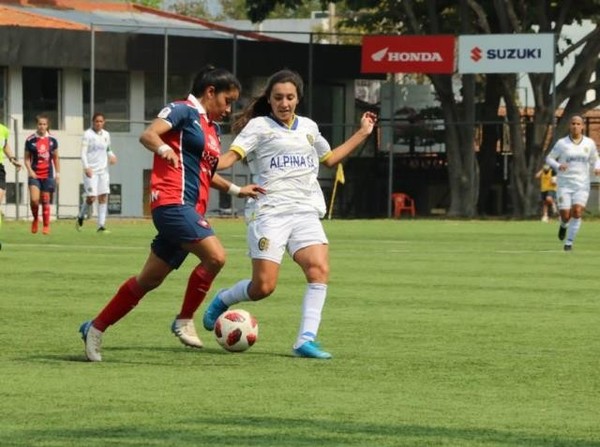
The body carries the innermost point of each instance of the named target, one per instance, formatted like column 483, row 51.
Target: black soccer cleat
column 568, row 248
column 562, row 232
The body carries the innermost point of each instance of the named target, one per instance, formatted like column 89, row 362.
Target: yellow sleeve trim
column 325, row 157
column 238, row 150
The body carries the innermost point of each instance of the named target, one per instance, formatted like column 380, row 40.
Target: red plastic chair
column 403, row 202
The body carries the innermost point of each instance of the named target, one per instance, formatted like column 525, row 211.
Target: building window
column 111, row 97
column 3, row 97
column 41, row 94
column 178, row 87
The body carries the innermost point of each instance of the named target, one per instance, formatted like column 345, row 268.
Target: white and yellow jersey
column 285, row 161
column 580, row 159
column 95, row 149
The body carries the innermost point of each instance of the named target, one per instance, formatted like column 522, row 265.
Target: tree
column 195, row 8
column 508, row 16
column 150, row 3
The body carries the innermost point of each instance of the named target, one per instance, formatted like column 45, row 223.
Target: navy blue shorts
column 177, row 224
column 43, row 184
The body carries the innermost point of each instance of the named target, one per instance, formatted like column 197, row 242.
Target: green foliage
column 150, row 3
column 194, row 8
column 444, row 333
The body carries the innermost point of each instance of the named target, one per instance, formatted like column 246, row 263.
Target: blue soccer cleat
column 213, row 311
column 311, row 350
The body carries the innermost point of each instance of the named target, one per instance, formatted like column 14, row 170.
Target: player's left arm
column 595, row 159
column 11, row 157
column 56, row 162
column 367, row 124
column 251, row 190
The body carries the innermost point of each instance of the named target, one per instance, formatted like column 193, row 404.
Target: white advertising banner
column 506, row 53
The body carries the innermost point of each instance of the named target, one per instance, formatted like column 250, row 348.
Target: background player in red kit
column 185, row 141
column 43, row 168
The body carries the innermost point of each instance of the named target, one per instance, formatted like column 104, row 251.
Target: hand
column 563, row 167
column 16, row 163
column 252, row 191
column 171, row 158
column 88, row 172
column 112, row 159
column 368, row 121
column 596, row 171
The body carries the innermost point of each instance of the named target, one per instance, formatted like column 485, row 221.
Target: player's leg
column 2, row 191
column 211, row 253
column 102, row 212
column 267, row 239
column 89, row 188
column 128, row 295
column 34, row 202
column 103, row 188
column 580, row 199
column 310, row 250
column 48, row 186
column 564, row 211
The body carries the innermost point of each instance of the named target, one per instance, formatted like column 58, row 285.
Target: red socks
column 126, row 298
column 46, row 208
column 198, row 285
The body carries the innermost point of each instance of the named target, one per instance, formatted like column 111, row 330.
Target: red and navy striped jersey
column 41, row 150
column 195, row 139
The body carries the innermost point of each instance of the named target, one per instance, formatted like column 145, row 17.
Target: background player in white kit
column 96, row 155
column 573, row 157
column 283, row 151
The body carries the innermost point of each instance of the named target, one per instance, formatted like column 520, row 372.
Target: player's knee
column 215, row 261
column 317, row 272
column 260, row 289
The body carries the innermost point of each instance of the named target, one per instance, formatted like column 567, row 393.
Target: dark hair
column 260, row 106
column 221, row 79
column 96, row 115
column 42, row 116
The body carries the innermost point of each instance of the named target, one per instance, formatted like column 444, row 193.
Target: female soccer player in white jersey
column 573, row 157
column 96, row 154
column 283, row 151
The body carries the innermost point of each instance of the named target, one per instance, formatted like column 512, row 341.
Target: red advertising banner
column 408, row 54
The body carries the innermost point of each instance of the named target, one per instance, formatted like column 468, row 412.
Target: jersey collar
column 191, row 98
column 292, row 126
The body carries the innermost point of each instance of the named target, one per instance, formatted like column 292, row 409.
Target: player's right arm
column 152, row 141
column 30, row 172
column 84, row 160
column 553, row 156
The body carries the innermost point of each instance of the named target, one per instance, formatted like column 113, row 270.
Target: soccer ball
column 236, row 330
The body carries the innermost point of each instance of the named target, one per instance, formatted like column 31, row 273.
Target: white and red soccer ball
column 236, row 330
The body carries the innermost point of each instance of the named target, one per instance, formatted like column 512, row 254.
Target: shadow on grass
column 279, row 432
column 108, row 357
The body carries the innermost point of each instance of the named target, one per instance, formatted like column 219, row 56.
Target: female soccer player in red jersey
column 185, row 141
column 43, row 168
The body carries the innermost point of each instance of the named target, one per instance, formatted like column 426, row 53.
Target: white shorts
column 96, row 185
column 568, row 197
column 270, row 236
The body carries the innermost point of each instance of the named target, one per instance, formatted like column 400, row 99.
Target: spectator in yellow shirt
column 547, row 190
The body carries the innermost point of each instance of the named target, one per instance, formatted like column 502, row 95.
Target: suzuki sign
column 506, row 53
column 408, row 54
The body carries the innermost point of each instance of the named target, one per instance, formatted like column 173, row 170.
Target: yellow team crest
column 263, row 244
column 310, row 138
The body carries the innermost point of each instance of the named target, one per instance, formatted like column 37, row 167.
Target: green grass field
column 444, row 333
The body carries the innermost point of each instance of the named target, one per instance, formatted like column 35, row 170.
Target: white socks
column 236, row 294
column 312, row 307
column 102, row 210
column 572, row 229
